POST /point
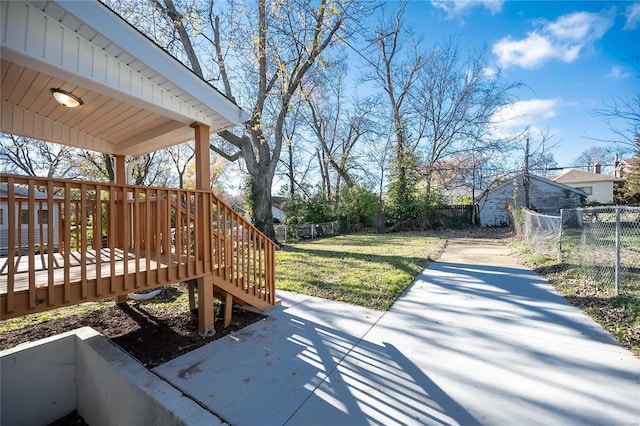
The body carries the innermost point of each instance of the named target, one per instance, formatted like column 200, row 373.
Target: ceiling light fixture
column 65, row 98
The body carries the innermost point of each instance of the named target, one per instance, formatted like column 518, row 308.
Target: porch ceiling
column 137, row 98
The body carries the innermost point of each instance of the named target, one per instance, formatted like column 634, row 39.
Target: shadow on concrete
column 294, row 369
column 466, row 344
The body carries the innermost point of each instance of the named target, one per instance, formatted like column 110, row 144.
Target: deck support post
column 118, row 238
column 206, row 316
column 228, row 309
column 192, row 295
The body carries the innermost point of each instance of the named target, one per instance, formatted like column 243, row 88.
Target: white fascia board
column 119, row 32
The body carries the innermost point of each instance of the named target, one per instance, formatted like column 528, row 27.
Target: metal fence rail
column 603, row 243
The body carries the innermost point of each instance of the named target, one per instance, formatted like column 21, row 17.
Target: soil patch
column 153, row 333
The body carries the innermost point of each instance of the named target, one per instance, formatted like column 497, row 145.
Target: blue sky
column 570, row 55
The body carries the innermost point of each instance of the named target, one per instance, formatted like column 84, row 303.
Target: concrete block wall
column 37, row 381
column 45, row 380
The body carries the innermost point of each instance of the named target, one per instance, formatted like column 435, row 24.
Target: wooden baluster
column 67, row 241
column 84, row 240
column 12, row 224
column 50, row 260
column 136, row 235
column 31, row 205
column 97, row 237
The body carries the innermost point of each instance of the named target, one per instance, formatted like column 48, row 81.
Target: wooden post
column 120, row 180
column 206, row 317
column 228, row 309
column 526, row 176
column 118, row 239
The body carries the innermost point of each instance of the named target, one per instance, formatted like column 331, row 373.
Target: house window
column 44, row 217
column 25, row 216
column 586, row 189
column 1, row 216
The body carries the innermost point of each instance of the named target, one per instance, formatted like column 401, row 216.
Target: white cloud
column 563, row 40
column 490, row 72
column 462, row 8
column 526, row 53
column 579, row 26
column 633, row 16
column 617, row 73
column 515, row 117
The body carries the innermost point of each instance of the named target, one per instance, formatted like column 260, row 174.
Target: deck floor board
column 21, row 275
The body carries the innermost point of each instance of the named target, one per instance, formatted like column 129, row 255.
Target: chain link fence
column 290, row 233
column 541, row 232
column 603, row 243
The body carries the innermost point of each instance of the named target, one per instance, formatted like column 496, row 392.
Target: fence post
column 560, row 237
column 617, row 250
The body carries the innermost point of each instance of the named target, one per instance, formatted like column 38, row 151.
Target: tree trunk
column 292, row 181
column 261, row 183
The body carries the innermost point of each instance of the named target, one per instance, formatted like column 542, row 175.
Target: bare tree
column 266, row 48
column 181, row 156
column 34, row 158
column 151, row 169
column 622, row 114
column 378, row 151
column 338, row 126
column 456, row 99
column 298, row 161
column 591, row 156
column 96, row 166
column 396, row 61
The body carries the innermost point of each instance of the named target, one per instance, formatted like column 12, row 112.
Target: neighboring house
column 598, row 187
column 42, row 219
column 621, row 171
column 623, row 168
column 545, row 196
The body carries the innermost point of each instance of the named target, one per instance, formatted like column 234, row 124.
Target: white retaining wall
column 45, row 380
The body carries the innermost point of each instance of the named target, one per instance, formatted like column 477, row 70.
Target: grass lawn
column 370, row 270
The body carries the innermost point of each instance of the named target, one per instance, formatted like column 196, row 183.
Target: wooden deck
column 111, row 274
column 105, row 240
column 75, row 274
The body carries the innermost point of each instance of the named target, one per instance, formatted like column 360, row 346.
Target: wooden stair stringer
column 227, row 287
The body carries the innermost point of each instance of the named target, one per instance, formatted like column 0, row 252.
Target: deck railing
column 68, row 242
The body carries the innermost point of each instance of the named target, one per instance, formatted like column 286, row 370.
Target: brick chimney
column 597, row 168
column 616, row 163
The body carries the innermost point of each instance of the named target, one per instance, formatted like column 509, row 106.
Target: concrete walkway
column 477, row 339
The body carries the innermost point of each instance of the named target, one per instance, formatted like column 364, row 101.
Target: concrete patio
column 476, row 339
